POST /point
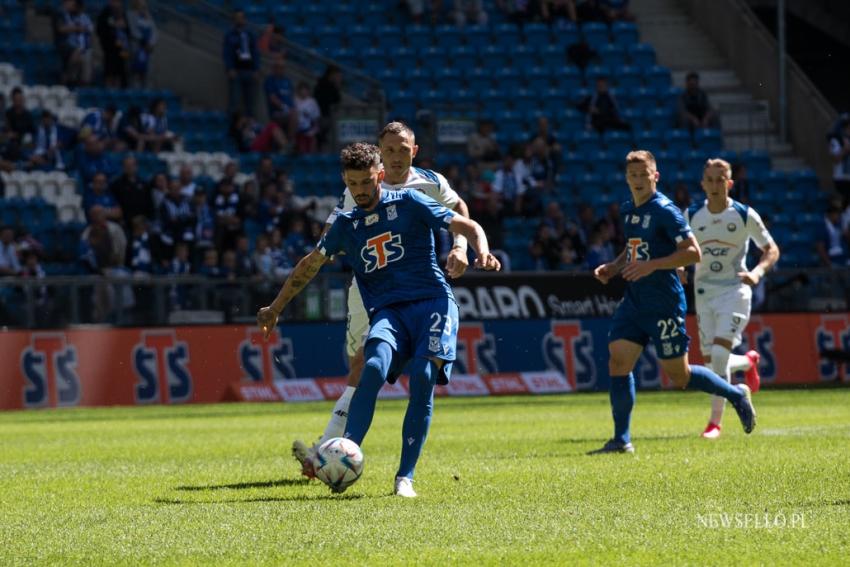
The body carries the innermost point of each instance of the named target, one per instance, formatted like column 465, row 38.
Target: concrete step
column 790, row 163
column 712, row 80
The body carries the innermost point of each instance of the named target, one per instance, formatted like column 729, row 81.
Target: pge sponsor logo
column 49, row 369
column 569, row 350
column 833, row 333
column 266, row 360
column 160, row 362
column 476, row 350
column 759, row 336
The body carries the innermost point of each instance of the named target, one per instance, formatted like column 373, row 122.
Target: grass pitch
column 502, row 481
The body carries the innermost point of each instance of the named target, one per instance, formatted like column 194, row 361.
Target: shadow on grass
column 243, row 485
column 300, row 498
column 600, row 440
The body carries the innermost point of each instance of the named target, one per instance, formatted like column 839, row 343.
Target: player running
column 388, row 238
column 398, row 148
column 723, row 293
column 658, row 240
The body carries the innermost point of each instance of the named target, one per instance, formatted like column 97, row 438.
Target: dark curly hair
column 360, row 156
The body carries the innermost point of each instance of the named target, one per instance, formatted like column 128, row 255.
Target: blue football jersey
column 391, row 248
column 654, row 230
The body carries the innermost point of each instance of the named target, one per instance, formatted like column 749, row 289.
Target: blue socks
column 417, row 420
column 622, row 401
column 379, row 356
column 704, row 379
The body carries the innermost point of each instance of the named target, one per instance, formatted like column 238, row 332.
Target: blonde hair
column 641, row 156
column 721, row 163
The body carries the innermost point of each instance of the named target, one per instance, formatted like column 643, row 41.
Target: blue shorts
column 665, row 329
column 418, row 329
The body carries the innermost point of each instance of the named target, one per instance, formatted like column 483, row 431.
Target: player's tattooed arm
column 475, row 234
column 457, row 262
column 301, row 275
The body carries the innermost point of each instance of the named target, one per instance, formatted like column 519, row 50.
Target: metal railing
column 57, row 302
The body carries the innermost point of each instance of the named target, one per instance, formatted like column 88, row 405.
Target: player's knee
column 356, row 365
column 679, row 377
column 618, row 365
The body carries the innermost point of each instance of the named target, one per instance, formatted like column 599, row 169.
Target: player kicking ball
column 722, row 284
column 397, row 143
column 388, row 238
column 658, row 241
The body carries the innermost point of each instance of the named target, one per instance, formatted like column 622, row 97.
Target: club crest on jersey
column 392, row 213
column 380, row 250
column 434, row 344
column 371, row 219
column 731, row 227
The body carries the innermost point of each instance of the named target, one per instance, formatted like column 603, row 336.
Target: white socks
column 720, row 356
column 339, row 417
column 737, row 362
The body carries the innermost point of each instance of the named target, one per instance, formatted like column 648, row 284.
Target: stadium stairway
column 682, row 46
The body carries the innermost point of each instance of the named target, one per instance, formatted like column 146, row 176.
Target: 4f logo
column 568, row 349
column 49, row 368
column 380, row 250
column 832, row 334
column 476, row 350
column 160, row 365
column 637, row 249
column 266, row 361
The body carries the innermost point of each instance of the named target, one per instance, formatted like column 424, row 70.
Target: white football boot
column 404, row 487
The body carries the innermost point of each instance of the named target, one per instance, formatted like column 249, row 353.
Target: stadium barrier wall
column 102, row 367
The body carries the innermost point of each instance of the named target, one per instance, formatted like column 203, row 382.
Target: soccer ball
column 338, row 463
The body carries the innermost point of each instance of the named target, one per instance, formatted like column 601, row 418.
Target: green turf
column 502, row 481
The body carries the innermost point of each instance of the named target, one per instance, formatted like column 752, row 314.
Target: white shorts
column 723, row 315
column 357, row 327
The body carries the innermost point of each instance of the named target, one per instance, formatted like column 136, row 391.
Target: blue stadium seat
column 613, row 55
column 404, row 57
column 565, row 34
column 476, row 36
column 708, row 140
column 536, row 35
column 523, row 56
column 465, row 101
column 644, row 100
column 525, row 101
column 417, row 37
column 625, row 33
column 636, row 118
column 642, row 55
column 479, row 80
column 587, row 141
column 589, row 185
column 447, row 36
column 757, row 162
column 596, row 71
column 508, row 79
column 678, row 139
column 567, row 79
column 389, row 37
column 595, row 34
column 574, row 164
column 494, row 100
column 627, row 77
column 493, row 57
column 505, row 35
column 346, row 56
column 315, row 14
column 669, row 160
column 537, row 78
column 658, row 77
column 570, row 118
column 330, row 37
column 805, row 181
column 434, row 57
column 360, row 37
column 775, row 183
column 463, row 58
column 448, row 78
column 602, row 162
column 662, row 118
column 618, row 142
column 554, row 57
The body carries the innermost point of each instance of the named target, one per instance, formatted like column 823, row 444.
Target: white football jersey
column 724, row 239
column 429, row 182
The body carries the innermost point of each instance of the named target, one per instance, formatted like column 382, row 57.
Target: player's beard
column 367, row 201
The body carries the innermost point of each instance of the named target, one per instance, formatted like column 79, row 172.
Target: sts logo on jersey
column 266, row 360
column 833, row 333
column 637, row 249
column 49, row 368
column 569, row 350
column 380, row 250
column 476, row 350
column 159, row 361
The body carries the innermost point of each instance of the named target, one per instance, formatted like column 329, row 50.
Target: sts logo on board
column 833, row 333
column 160, row 363
column 49, row 368
column 759, row 336
column 569, row 350
column 266, row 360
column 476, row 350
